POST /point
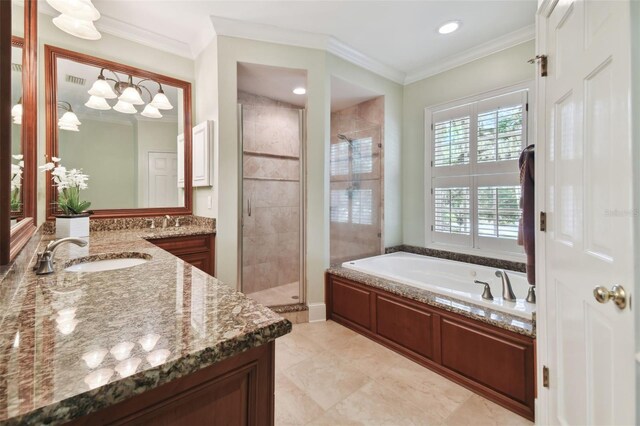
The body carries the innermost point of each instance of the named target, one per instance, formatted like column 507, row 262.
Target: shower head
column 344, row 138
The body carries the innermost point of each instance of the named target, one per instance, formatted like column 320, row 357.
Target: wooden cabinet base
column 236, row 391
column 196, row 250
column 495, row 363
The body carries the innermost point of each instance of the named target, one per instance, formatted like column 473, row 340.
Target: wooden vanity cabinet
column 493, row 362
column 236, row 391
column 196, row 250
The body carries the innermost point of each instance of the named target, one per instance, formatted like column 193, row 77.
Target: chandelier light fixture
column 69, row 120
column 76, row 18
column 128, row 94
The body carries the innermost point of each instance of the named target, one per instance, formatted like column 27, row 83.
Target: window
column 474, row 146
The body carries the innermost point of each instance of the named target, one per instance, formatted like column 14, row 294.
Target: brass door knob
column 617, row 294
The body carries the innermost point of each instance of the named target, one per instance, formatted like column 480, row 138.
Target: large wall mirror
column 19, row 134
column 125, row 128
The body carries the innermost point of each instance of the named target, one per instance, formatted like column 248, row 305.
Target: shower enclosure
column 271, row 137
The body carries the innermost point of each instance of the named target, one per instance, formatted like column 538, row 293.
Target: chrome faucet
column 507, row 291
column 165, row 221
column 486, row 293
column 44, row 264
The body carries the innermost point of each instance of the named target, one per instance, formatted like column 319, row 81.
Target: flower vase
column 72, row 226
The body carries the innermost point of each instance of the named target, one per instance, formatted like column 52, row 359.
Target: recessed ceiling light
column 449, row 27
column 299, row 90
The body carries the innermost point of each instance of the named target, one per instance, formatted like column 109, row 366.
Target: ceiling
column 400, row 35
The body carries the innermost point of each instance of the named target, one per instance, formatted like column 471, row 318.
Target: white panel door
column 589, row 238
column 163, row 175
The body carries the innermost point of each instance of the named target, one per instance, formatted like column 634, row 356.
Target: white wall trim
column 135, row 34
column 356, row 57
column 485, row 49
column 317, row 312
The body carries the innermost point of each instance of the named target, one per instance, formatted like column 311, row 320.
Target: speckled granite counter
column 499, row 319
column 73, row 343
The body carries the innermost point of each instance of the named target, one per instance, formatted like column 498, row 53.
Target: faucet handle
column 38, row 259
column 153, row 223
column 177, row 222
column 486, row 293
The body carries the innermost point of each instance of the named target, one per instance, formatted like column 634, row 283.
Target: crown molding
column 135, row 34
column 485, row 49
column 358, row 58
column 273, row 34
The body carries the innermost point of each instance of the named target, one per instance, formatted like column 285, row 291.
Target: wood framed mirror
column 18, row 141
column 138, row 158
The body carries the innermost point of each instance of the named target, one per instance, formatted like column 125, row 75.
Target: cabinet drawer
column 185, row 245
column 406, row 326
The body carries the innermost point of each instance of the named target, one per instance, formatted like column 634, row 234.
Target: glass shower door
column 271, row 140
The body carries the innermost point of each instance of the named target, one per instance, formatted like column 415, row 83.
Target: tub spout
column 507, row 291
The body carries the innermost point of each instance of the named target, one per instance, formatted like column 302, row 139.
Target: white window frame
column 475, row 245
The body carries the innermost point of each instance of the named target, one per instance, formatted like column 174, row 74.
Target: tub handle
column 486, row 293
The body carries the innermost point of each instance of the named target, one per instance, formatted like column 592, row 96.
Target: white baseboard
column 317, row 312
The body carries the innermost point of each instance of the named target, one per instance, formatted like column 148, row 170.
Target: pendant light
column 125, row 107
column 160, row 100
column 69, row 120
column 96, row 102
column 151, row 112
column 101, row 88
column 76, row 18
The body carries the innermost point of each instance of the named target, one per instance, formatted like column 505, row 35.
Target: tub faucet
column 507, row 291
column 44, row 264
column 486, row 293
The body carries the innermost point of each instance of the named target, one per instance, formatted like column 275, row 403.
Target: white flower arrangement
column 69, row 184
column 16, row 183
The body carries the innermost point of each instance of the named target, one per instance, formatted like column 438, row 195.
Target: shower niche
column 271, row 137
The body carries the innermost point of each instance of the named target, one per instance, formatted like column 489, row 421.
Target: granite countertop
column 500, row 319
column 72, row 343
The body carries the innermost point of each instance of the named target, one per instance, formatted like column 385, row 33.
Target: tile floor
column 285, row 294
column 327, row 374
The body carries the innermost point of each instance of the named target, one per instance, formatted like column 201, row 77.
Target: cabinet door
column 351, row 303
column 405, row 325
column 201, row 145
column 201, row 261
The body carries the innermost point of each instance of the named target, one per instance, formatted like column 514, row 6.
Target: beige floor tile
column 329, row 335
column 374, row 404
column 293, row 406
column 479, row 411
column 424, row 388
column 292, row 349
column 372, row 358
column 326, row 379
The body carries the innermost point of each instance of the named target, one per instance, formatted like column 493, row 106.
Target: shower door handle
column 249, row 207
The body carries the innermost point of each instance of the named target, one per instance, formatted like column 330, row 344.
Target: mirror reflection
column 17, row 161
column 124, row 132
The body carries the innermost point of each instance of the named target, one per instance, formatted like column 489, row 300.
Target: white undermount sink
column 100, row 263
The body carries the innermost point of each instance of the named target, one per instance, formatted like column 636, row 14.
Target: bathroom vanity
column 160, row 341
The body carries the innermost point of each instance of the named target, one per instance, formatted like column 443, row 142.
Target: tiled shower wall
column 271, row 182
column 356, row 181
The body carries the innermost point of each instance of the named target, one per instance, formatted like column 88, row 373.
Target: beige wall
column 491, row 72
column 106, row 151
column 206, row 108
column 108, row 47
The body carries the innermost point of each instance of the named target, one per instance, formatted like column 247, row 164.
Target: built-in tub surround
column 73, row 343
column 518, row 317
column 460, row 257
column 356, row 172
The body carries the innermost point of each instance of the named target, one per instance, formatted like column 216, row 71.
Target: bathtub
column 449, row 278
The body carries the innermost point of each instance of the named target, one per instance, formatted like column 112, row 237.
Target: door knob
column 617, row 294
